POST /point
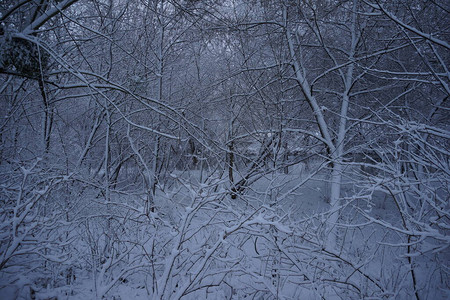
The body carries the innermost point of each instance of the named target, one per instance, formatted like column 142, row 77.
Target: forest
column 224, row 149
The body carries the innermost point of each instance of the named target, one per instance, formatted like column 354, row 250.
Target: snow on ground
column 252, row 245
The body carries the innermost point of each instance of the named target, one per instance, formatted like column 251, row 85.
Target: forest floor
column 299, row 201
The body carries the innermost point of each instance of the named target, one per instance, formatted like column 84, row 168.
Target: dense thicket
column 170, row 149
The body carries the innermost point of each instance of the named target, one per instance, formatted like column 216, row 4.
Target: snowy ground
column 267, row 243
